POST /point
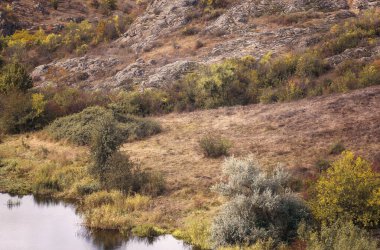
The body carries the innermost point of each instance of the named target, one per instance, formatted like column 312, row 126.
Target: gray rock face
column 149, row 76
column 161, row 18
column 88, row 68
column 131, row 75
column 169, row 74
column 324, row 5
column 363, row 54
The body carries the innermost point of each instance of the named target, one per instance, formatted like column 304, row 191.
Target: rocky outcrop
column 131, row 75
column 237, row 32
column 323, row 5
column 363, row 54
column 85, row 68
column 169, row 74
column 161, row 18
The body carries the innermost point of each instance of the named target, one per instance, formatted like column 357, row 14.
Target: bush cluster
column 114, row 169
column 214, row 146
column 75, row 37
column 260, row 206
column 78, row 128
column 348, row 190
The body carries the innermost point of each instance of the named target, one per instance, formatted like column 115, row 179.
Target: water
column 28, row 223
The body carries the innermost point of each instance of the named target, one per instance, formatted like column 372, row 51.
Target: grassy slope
column 295, row 134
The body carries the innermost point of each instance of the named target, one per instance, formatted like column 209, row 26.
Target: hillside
column 162, row 40
column 227, row 124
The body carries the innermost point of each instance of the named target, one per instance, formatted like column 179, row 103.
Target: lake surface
column 33, row 224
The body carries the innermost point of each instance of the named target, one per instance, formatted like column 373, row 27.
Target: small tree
column 260, row 206
column 105, row 143
column 348, row 190
column 15, row 77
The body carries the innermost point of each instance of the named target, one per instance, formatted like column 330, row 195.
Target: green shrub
column 310, row 65
column 54, row 3
column 280, row 69
column 196, row 231
column 118, row 173
column 294, row 90
column 347, row 190
column 260, row 206
column 14, row 77
column 148, row 102
column 269, row 95
column 214, row 3
column 147, row 230
column 340, row 235
column 232, row 82
column 214, row 146
column 370, row 75
column 78, row 128
column 104, row 143
column 20, row 112
column 108, row 5
column 345, row 82
column 337, row 148
column 114, row 169
column 322, row 165
column 87, row 187
column 354, row 32
column 189, row 31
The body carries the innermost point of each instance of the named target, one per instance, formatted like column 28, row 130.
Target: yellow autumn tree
column 348, row 190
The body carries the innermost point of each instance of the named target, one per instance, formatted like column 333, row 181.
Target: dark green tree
column 105, row 143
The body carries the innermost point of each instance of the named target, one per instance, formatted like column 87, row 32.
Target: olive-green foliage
column 339, row 235
column 120, row 173
column 353, row 75
column 144, row 103
column 75, row 37
column 214, row 146
column 310, row 65
column 78, row 128
column 51, row 178
column 147, row 230
column 354, row 32
column 214, row 3
column 104, row 143
column 196, row 231
column 108, row 4
column 347, row 190
column 275, row 71
column 114, row 169
column 337, row 148
column 232, row 82
column 21, row 111
column 260, row 206
column 54, row 3
column 14, row 77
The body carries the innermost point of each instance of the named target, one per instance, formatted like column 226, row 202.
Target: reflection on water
column 35, row 223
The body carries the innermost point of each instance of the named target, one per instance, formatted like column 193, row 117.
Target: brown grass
column 295, row 134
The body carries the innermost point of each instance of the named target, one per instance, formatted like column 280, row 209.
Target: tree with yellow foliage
column 348, row 190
